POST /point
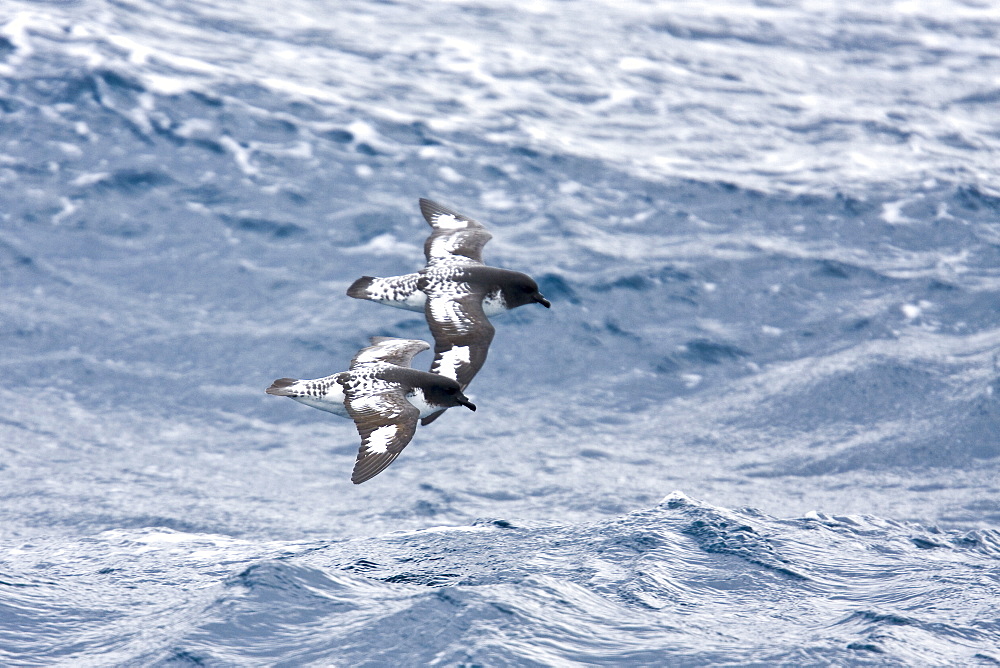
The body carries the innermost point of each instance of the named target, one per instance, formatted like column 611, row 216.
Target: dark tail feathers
column 280, row 387
column 359, row 288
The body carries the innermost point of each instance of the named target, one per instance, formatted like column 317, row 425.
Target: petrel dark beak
column 541, row 300
column 468, row 404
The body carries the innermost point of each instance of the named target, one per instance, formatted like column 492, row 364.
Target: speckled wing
column 389, row 349
column 462, row 332
column 455, row 239
column 386, row 422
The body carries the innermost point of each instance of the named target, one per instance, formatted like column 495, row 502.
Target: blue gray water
column 759, row 425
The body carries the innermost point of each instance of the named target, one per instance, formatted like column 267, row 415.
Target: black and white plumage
column 456, row 292
column 384, row 397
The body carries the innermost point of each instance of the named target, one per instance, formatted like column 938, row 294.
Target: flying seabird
column 456, row 292
column 384, row 397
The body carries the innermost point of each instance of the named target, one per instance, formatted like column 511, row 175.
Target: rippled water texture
column 770, row 235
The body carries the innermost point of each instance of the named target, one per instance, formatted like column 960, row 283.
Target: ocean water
column 760, row 424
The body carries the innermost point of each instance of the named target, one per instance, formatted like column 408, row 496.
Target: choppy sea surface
column 759, row 426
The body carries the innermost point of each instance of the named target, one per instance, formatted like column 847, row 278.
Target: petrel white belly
column 331, row 402
column 413, row 301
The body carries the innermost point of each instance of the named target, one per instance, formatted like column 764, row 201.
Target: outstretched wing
column 462, row 332
column 386, row 422
column 389, row 349
column 455, row 237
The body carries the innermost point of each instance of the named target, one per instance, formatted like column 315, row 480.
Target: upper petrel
column 456, row 292
column 383, row 396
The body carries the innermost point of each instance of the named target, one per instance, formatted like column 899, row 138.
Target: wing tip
column 431, row 211
column 416, row 343
column 433, row 416
column 369, row 467
column 428, row 206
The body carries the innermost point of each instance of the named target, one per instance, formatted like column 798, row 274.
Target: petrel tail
column 359, row 288
column 282, row 387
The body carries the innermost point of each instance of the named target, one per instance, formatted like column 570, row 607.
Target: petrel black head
column 447, row 392
column 523, row 290
column 464, row 401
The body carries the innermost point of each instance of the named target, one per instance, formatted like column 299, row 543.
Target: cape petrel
column 384, row 397
column 456, row 292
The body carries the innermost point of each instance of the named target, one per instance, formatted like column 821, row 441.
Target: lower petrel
column 384, row 397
